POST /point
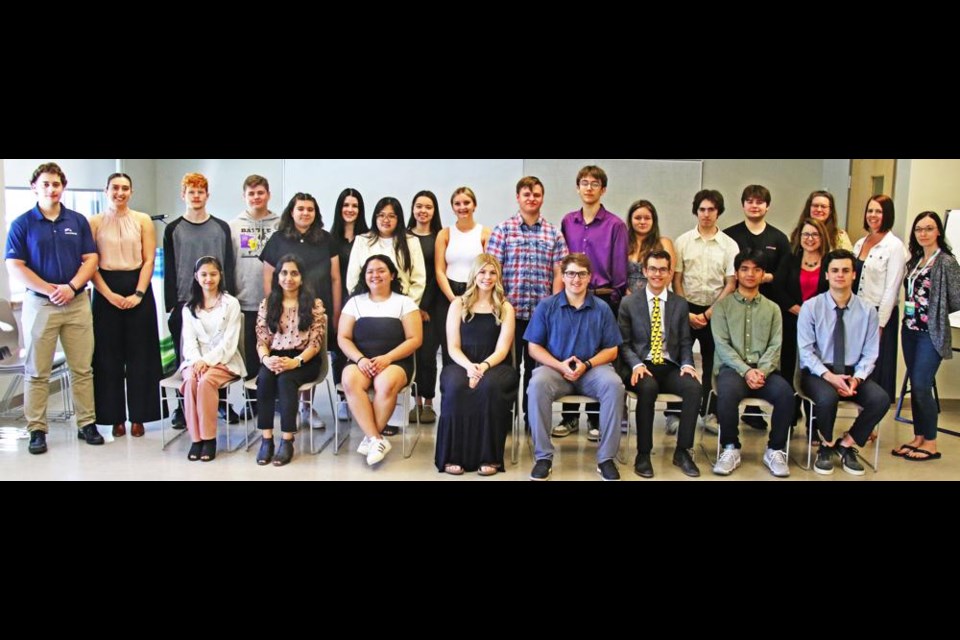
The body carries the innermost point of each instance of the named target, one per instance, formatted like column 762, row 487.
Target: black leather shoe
column 232, row 417
column 284, row 453
column 682, row 459
column 178, row 421
column 265, row 455
column 38, row 442
column 90, row 434
column 642, row 466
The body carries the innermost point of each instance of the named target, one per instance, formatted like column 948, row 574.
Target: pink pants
column 201, row 398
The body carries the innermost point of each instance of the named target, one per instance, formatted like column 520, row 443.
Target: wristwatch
column 75, row 290
column 139, row 294
column 299, row 359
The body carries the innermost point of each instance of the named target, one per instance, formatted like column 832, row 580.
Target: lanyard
column 917, row 270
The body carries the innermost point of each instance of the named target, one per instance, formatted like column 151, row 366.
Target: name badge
column 909, row 308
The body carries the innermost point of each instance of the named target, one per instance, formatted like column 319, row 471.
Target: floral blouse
column 921, row 298
column 288, row 336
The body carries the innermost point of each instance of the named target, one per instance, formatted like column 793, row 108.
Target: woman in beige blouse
column 290, row 331
column 126, row 357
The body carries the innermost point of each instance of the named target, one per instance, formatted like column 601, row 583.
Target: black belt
column 46, row 297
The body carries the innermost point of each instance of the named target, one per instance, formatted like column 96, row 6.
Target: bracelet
column 264, row 357
column 588, row 364
column 488, row 365
column 73, row 288
column 357, row 362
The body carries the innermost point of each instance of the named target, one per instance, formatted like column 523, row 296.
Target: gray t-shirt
column 184, row 243
column 249, row 238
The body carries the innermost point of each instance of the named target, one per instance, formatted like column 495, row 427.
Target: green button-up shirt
column 748, row 334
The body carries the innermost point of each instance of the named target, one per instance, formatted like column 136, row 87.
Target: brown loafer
column 119, row 430
column 137, row 430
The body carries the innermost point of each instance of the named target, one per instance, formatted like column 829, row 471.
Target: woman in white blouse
column 881, row 257
column 290, row 329
column 211, row 332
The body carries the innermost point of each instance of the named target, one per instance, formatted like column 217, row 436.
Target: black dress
column 376, row 336
column 474, row 422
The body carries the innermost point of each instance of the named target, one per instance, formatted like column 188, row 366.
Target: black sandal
column 390, row 430
column 195, row 449
column 209, row 450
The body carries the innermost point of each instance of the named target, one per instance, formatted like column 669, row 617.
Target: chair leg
column 411, row 392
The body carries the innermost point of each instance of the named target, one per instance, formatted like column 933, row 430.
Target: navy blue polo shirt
column 53, row 250
column 565, row 331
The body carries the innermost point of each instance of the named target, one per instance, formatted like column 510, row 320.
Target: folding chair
column 766, row 411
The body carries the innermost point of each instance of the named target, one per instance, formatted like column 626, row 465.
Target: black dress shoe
column 265, row 455
column 284, row 453
column 682, row 459
column 232, row 417
column 642, row 466
column 38, row 442
column 90, row 434
column 178, row 421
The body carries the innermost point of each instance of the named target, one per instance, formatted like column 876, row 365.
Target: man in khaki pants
column 51, row 250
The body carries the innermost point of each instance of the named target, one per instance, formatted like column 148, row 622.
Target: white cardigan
column 215, row 338
column 412, row 283
column 882, row 274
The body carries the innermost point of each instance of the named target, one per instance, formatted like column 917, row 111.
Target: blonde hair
column 466, row 191
column 471, row 295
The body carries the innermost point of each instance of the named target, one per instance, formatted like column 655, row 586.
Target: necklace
column 811, row 265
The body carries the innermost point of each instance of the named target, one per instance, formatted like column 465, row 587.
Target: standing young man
column 704, row 275
column 575, row 338
column 530, row 249
column 755, row 233
column 187, row 239
column 250, row 231
column 748, row 332
column 838, row 337
column 602, row 237
column 51, row 250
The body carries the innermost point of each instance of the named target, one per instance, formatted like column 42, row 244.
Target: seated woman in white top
column 211, row 332
column 380, row 330
column 881, row 259
column 388, row 237
column 457, row 248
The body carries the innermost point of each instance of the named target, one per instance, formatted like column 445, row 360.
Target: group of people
column 582, row 307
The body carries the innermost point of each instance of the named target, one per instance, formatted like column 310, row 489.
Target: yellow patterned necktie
column 656, row 334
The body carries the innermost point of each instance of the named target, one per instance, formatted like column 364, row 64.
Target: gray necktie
column 839, row 345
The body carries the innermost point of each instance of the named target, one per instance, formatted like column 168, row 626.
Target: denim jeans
column 922, row 362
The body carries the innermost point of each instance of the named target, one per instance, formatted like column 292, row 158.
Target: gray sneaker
column 566, row 427
column 710, row 424
column 848, row 459
column 776, row 461
column 673, row 424
column 728, row 461
column 824, row 463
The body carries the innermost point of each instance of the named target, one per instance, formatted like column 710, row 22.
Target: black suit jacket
column 635, row 328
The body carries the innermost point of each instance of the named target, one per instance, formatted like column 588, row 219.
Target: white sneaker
column 593, row 435
column 379, row 448
column 673, row 424
column 364, row 447
column 728, row 461
column 710, row 424
column 776, row 461
column 343, row 411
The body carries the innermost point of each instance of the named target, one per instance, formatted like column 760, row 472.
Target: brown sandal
column 488, row 470
column 453, row 469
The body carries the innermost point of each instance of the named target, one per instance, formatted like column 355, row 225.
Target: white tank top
column 462, row 249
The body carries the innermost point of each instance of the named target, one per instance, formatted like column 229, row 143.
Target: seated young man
column 748, row 333
column 658, row 351
column 574, row 337
column 838, row 338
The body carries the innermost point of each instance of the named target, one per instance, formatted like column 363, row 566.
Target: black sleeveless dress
column 375, row 336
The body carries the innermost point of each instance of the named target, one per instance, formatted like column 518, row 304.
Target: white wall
column 82, row 173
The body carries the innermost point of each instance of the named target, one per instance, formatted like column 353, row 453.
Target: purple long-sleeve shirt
column 605, row 242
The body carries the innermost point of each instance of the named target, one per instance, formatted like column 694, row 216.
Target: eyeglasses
column 658, row 270
column 386, row 216
column 577, row 275
column 924, row 229
column 820, row 206
column 810, row 234
column 587, row 184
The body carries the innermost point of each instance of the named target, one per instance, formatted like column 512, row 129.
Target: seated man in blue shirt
column 838, row 338
column 748, row 333
column 575, row 338
column 51, row 250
